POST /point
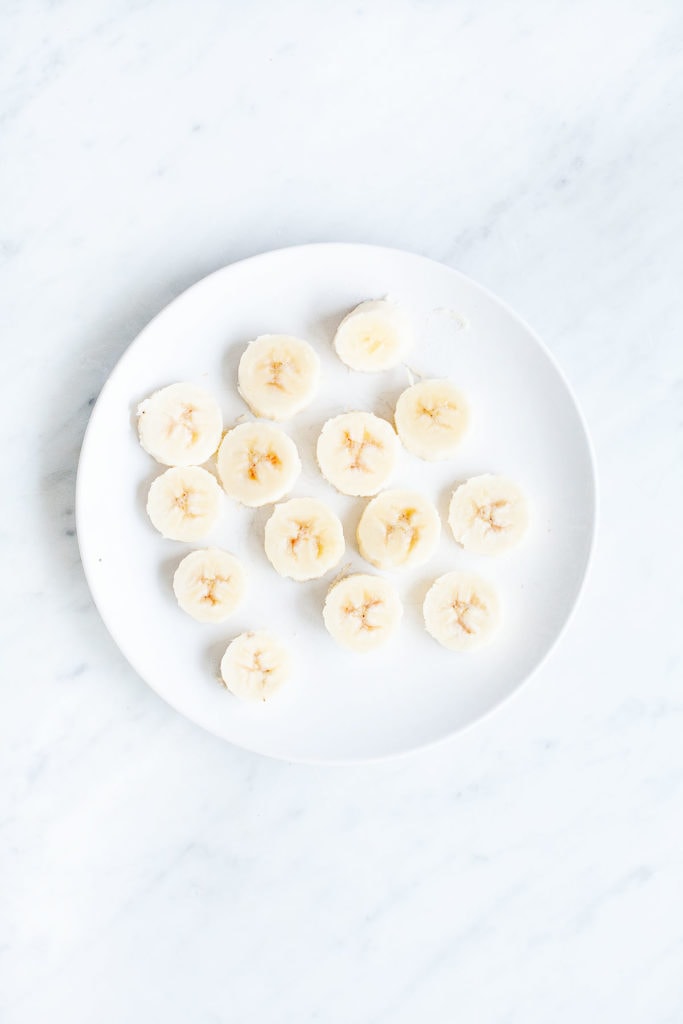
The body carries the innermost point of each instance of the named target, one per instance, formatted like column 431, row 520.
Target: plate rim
column 452, row 733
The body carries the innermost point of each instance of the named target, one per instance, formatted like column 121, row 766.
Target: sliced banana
column 184, row 503
column 257, row 463
column 431, row 418
column 255, row 665
column 357, row 452
column 278, row 375
column 376, row 335
column 303, row 539
column 488, row 515
column 397, row 529
column 180, row 425
column 362, row 612
column 461, row 611
column 209, row 584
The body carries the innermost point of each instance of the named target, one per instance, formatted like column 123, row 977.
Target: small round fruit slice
column 376, row 335
column 461, row 611
column 255, row 666
column 357, row 452
column 431, row 418
column 278, row 375
column 488, row 515
column 362, row 612
column 180, row 425
column 209, row 584
column 257, row 463
column 184, row 503
column 303, row 539
column 398, row 529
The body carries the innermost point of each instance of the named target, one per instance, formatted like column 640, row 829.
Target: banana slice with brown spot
column 357, row 452
column 184, row 503
column 398, row 529
column 488, row 514
column 278, row 375
column 257, row 463
column 461, row 611
column 303, row 539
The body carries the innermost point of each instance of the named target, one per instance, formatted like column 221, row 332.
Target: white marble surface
column 528, row 871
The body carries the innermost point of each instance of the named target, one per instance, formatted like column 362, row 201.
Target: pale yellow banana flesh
column 209, row 584
column 255, row 666
column 278, row 375
column 362, row 612
column 374, row 336
column 180, row 425
column 461, row 611
column 488, row 514
column 398, row 529
column 184, row 503
column 257, row 464
column 304, row 539
column 431, row 418
column 357, row 452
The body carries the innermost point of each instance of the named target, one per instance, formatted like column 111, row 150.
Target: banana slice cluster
column 257, row 463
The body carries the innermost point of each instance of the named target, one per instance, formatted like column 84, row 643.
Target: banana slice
column 184, row 503
column 257, row 463
column 374, row 336
column 461, row 611
column 397, row 529
column 431, row 418
column 209, row 584
column 488, row 514
column 362, row 612
column 303, row 539
column 278, row 375
column 255, row 665
column 357, row 452
column 180, row 425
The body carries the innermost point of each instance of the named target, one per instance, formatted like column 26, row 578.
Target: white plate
column 340, row 707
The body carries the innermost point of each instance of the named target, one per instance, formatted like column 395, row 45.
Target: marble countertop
column 527, row 871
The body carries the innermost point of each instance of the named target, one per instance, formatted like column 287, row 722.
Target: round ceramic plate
column 341, row 707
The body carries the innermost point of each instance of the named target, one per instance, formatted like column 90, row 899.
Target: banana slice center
column 361, row 613
column 356, row 449
column 257, row 458
column 404, row 528
column 276, row 370
column 373, row 341
column 256, row 667
column 463, row 610
column 306, row 538
column 182, row 424
column 489, row 514
column 184, row 502
column 210, row 583
column 442, row 414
